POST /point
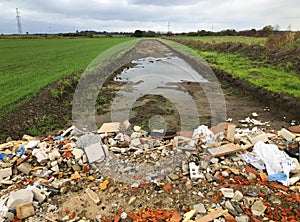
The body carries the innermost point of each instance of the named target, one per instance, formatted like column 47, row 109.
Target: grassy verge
column 219, row 39
column 28, row 65
column 257, row 73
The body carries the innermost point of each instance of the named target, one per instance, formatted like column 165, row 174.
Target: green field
column 257, row 73
column 28, row 65
column 217, row 39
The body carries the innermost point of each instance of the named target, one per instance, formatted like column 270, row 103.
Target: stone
column 38, row 194
column 96, row 152
column 9, row 216
column 25, row 168
column 214, row 160
column 19, row 197
column 258, row 208
column 31, row 144
column 238, row 196
column 25, row 210
column 78, row 153
column 209, row 177
column 251, row 177
column 131, row 200
column 94, row 197
column 200, row 208
column 40, row 155
column 225, row 173
column 242, row 218
column 287, row 135
column 227, row 192
column 203, row 165
column 188, row 215
column 54, row 154
column 135, row 142
column 76, row 167
column 230, row 208
column 173, row 176
column 6, row 172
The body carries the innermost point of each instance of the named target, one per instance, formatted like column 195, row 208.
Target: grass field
column 257, row 73
column 241, row 39
column 28, row 65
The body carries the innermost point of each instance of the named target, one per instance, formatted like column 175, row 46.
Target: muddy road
column 212, row 100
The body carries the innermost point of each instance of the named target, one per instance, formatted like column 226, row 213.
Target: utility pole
column 169, row 27
column 18, row 17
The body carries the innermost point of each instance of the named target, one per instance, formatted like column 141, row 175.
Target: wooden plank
column 213, row 215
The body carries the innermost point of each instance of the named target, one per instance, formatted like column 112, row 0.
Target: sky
column 55, row 16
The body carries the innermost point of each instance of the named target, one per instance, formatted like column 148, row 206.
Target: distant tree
column 266, row 31
column 202, row 33
column 138, row 33
column 149, row 34
column 191, row 34
column 90, row 34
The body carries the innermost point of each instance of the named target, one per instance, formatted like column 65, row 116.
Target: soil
column 47, row 112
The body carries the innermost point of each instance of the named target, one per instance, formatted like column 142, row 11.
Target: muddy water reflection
column 158, row 76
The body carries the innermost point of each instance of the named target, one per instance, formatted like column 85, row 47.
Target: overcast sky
column 41, row 16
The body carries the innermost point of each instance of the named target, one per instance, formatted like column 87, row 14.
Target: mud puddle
column 154, row 95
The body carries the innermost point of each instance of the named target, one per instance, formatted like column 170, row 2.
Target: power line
column 18, row 17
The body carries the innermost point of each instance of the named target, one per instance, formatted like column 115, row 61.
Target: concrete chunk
column 258, row 208
column 227, row 192
column 25, row 168
column 200, row 208
column 96, row 152
column 7, row 172
column 19, row 197
column 38, row 194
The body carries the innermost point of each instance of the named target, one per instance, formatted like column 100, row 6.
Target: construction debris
column 252, row 174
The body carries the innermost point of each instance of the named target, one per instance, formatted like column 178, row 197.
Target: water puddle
column 170, row 70
column 158, row 76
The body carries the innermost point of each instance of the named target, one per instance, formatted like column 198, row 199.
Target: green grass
column 257, row 73
column 28, row 65
column 217, row 39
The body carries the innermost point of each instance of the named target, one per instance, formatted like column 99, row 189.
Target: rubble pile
column 120, row 173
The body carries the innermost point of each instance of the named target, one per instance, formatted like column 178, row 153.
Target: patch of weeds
column 288, row 67
column 45, row 124
column 55, row 93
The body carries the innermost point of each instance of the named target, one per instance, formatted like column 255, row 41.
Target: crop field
column 28, row 65
column 219, row 39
